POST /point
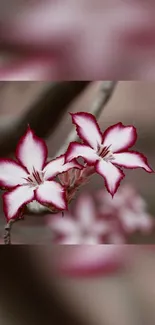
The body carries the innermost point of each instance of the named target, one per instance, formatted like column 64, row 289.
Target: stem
column 7, row 230
column 87, row 172
column 105, row 93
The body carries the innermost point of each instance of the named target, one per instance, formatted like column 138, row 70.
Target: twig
column 7, row 230
column 105, row 93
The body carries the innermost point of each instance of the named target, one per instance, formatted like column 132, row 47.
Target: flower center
column 35, row 178
column 105, row 153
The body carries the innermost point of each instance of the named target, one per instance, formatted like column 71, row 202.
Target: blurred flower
column 83, row 228
column 86, row 260
column 89, row 38
column 110, row 221
column 127, row 208
column 95, row 260
column 31, row 178
column 106, row 150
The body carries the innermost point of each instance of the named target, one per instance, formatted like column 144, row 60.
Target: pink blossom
column 127, row 208
column 102, row 221
column 31, row 178
column 106, row 151
column 83, row 228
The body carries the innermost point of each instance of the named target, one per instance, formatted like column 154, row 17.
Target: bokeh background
column 34, row 292
column 77, row 39
column 45, row 106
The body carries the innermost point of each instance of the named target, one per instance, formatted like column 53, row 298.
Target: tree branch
column 42, row 116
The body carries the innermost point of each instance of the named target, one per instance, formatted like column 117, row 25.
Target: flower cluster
column 30, row 178
column 127, row 211
column 103, row 220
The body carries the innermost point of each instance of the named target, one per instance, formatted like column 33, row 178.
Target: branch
column 43, row 115
column 105, row 93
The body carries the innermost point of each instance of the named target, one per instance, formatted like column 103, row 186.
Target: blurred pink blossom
column 104, row 260
column 83, row 228
column 128, row 208
column 85, row 260
column 90, row 39
column 106, row 221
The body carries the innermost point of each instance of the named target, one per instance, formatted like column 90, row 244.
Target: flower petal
column 76, row 150
column 58, row 166
column 111, row 174
column 16, row 199
column 65, row 226
column 31, row 151
column 119, row 137
column 87, row 128
column 51, row 193
column 89, row 240
column 11, row 173
column 132, row 159
column 71, row 239
column 85, row 211
column 132, row 221
column 101, row 227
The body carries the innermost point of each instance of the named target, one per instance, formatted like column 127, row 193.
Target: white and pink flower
column 107, row 151
column 31, row 177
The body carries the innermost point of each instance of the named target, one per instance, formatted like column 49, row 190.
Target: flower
column 127, row 208
column 102, row 220
column 83, row 228
column 31, row 178
column 106, row 151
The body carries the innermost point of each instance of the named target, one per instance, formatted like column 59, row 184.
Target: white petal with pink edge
column 11, row 174
column 88, row 129
column 58, row 166
column 31, row 151
column 119, row 137
column 131, row 160
column 15, row 199
column 111, row 174
column 52, row 193
column 76, row 150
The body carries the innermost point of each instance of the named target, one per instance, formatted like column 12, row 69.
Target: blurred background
column 33, row 292
column 77, row 40
column 45, row 106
